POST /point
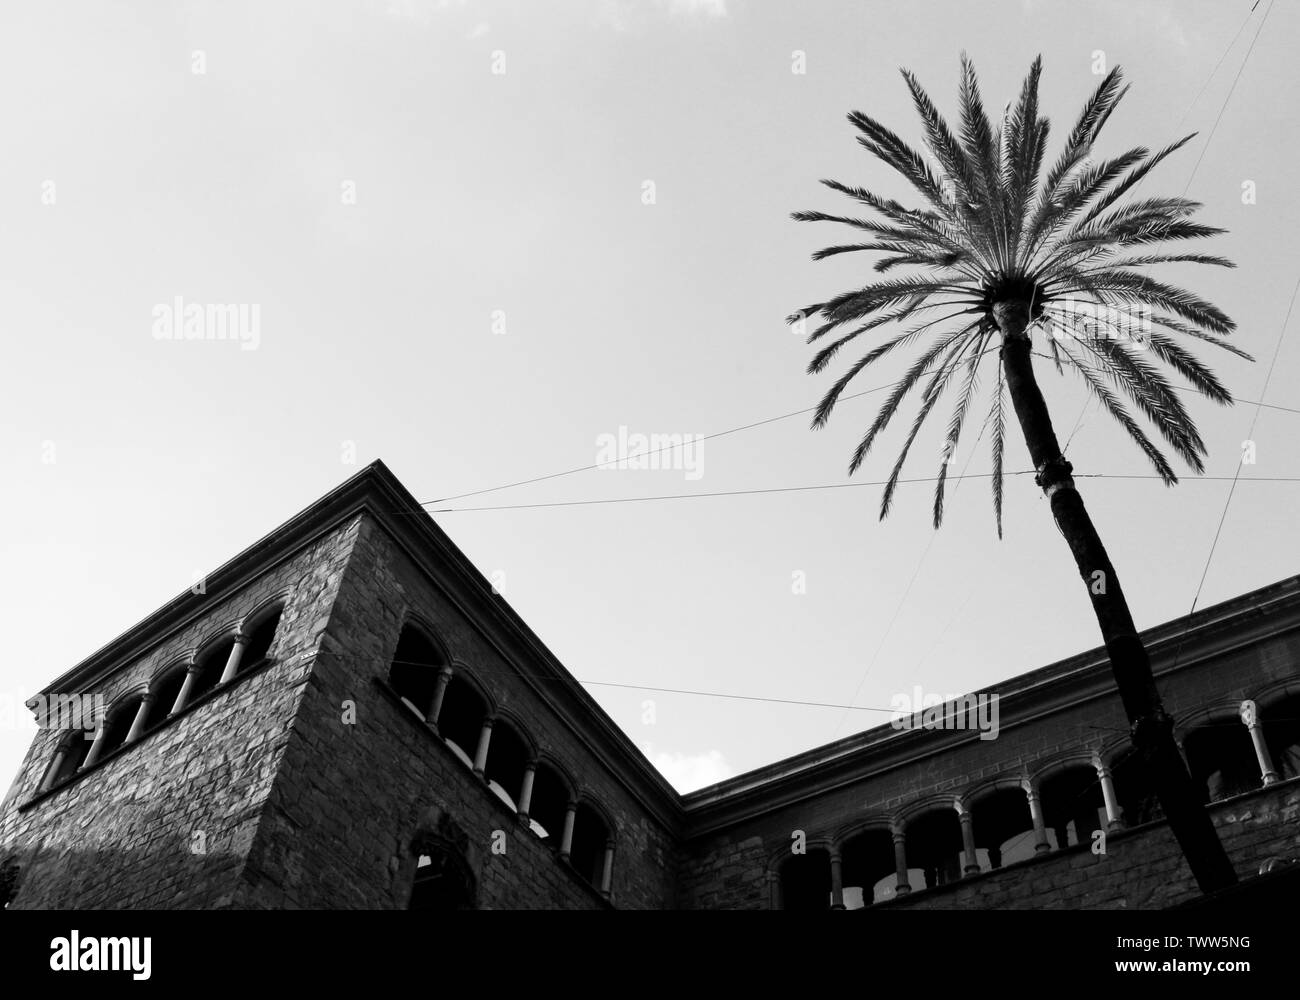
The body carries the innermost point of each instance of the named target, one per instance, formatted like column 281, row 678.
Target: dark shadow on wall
column 60, row 877
column 444, row 874
column 9, row 873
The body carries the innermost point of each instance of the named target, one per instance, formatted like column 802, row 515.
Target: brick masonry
column 306, row 783
column 733, row 867
column 362, row 829
column 1141, row 869
column 125, row 833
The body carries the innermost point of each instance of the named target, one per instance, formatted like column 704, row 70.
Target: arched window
column 868, row 870
column 1222, row 759
column 118, row 724
column 212, row 664
column 1135, row 789
column 413, row 673
column 549, row 803
column 260, row 635
column 1073, row 805
column 806, row 881
column 1004, row 827
column 590, row 837
column 164, row 689
column 507, row 758
column 934, row 845
column 1281, row 722
column 68, row 757
column 443, row 880
column 461, row 719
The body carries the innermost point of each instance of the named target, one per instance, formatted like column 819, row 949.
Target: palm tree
column 1003, row 258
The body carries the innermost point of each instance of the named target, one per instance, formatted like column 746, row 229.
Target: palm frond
column 1186, row 364
column 1132, row 232
column 875, row 228
column 826, row 354
column 1090, row 182
column 1116, row 409
column 898, row 154
column 866, row 300
column 824, row 408
column 1144, row 209
column 943, row 144
column 997, row 414
column 931, row 396
column 1160, row 258
column 903, row 387
column 955, row 423
column 1025, row 142
column 1091, row 118
column 899, row 248
column 993, row 231
column 1133, row 287
column 1135, row 175
column 1169, row 323
column 1149, row 391
column 977, row 140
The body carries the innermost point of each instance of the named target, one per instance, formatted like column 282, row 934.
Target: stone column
column 59, row 755
column 439, row 692
column 1108, row 795
column 137, row 724
column 1250, row 717
column 236, row 655
column 972, row 866
column 98, row 745
column 900, row 862
column 607, row 870
column 183, row 695
column 526, row 792
column 566, row 839
column 480, row 755
column 1041, row 846
column 837, row 880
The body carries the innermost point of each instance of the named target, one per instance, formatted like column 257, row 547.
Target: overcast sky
column 480, row 236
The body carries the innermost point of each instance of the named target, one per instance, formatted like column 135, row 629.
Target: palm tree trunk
column 1151, row 729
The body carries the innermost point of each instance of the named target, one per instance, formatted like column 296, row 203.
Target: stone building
column 347, row 716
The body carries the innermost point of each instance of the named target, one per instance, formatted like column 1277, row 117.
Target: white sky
column 522, row 192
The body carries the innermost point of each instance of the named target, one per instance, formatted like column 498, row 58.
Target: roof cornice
column 461, row 583
column 340, row 505
column 376, row 492
column 1214, row 632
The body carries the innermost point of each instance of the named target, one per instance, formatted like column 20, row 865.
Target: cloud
column 479, row 30
column 688, row 772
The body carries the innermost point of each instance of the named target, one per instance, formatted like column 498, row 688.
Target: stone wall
column 1142, row 868
column 307, row 783
column 167, row 821
column 353, row 793
column 733, row 865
